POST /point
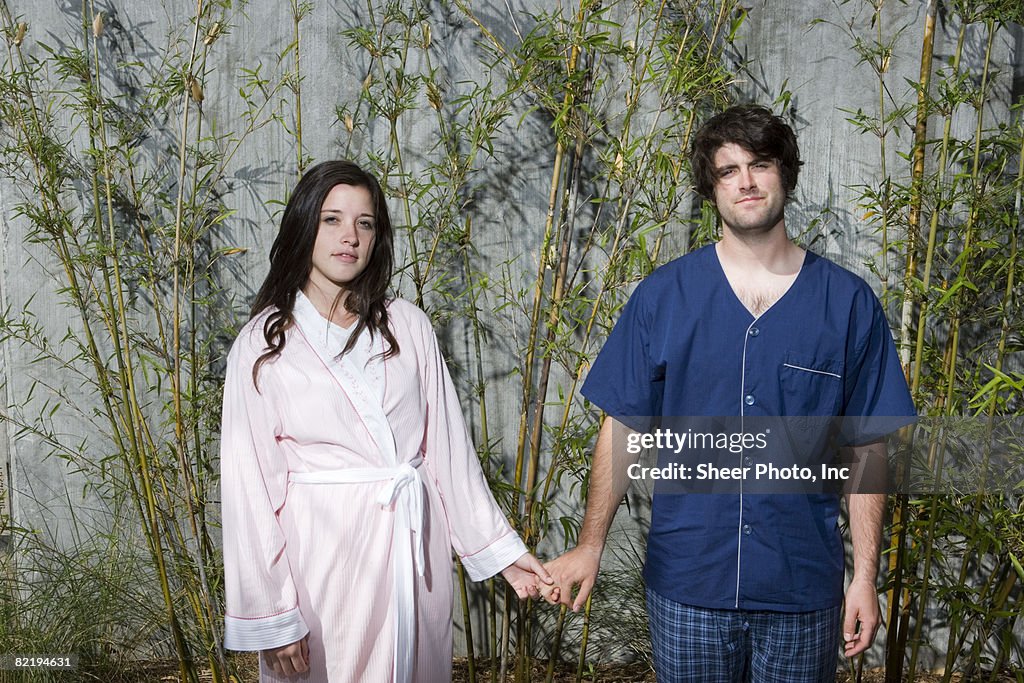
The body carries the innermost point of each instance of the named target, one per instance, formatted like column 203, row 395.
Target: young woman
column 348, row 474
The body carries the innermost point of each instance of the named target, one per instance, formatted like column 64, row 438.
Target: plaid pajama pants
column 698, row 645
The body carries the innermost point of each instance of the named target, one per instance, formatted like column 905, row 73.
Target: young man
column 745, row 586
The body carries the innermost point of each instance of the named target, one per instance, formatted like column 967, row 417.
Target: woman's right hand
column 288, row 660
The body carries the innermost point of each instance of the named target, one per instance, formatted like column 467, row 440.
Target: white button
column 746, row 529
column 754, row 331
column 749, row 399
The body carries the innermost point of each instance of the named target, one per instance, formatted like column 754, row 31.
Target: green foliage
column 120, row 187
column 89, row 598
column 961, row 317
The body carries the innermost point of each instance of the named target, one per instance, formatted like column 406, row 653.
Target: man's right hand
column 288, row 660
column 576, row 568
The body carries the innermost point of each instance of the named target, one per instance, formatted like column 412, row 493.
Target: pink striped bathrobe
column 342, row 503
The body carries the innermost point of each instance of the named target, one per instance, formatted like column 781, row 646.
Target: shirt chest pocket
column 810, row 386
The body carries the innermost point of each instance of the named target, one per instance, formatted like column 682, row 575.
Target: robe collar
column 314, row 328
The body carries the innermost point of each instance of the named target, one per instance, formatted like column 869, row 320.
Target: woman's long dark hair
column 291, row 260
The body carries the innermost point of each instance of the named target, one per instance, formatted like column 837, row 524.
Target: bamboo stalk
column 182, row 279
column 396, row 149
column 922, row 325
column 138, row 421
column 1006, row 642
column 937, row 450
column 917, row 171
column 632, row 101
column 505, row 634
column 619, row 233
column 492, row 622
column 959, row 642
column 896, row 632
column 76, row 290
column 582, row 661
column 882, row 69
column 569, row 211
column 458, row 176
column 555, row 303
column 958, row 316
column 485, row 440
column 134, row 421
column 119, row 335
column 528, row 453
column 917, row 188
column 466, row 620
column 534, row 324
column 557, row 299
column 481, row 385
column 1008, row 299
column 1006, row 306
column 1004, row 579
column 297, row 89
column 556, row 642
column 201, row 595
column 93, row 130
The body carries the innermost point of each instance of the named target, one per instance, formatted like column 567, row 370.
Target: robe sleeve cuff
column 261, row 633
column 495, row 557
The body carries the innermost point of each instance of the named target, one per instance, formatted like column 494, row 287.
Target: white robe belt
column 404, row 491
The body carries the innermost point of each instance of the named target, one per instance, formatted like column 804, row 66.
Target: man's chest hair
column 758, row 291
column 757, row 301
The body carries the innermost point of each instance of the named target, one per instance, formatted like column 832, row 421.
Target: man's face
column 748, row 190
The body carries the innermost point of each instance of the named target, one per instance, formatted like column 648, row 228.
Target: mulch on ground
column 248, row 670
column 640, row 673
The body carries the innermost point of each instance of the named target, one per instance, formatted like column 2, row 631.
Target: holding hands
column 554, row 581
column 528, row 577
column 576, row 568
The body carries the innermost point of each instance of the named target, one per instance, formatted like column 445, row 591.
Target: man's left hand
column 862, row 617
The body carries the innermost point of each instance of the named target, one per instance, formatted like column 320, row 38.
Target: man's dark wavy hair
column 291, row 260
column 755, row 129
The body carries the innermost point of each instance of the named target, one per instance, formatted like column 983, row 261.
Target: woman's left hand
column 528, row 577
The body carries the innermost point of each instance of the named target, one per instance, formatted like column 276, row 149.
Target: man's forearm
column 866, row 513
column 608, row 483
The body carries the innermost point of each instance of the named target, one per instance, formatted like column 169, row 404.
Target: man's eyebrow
column 755, row 160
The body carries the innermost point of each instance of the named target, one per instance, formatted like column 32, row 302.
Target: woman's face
column 344, row 239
